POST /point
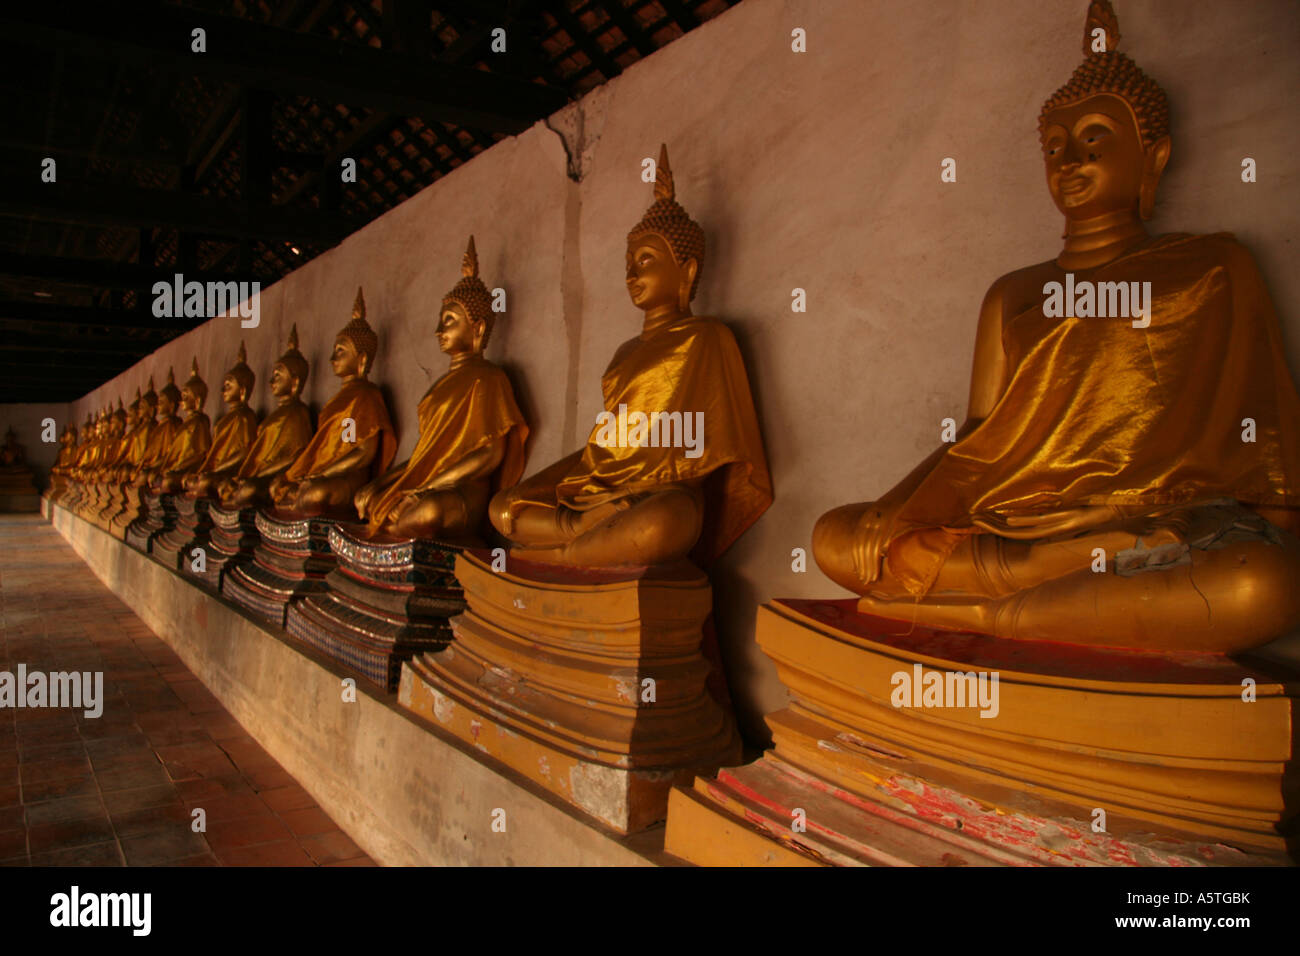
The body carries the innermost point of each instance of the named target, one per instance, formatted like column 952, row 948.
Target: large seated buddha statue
column 280, row 438
column 354, row 441
column 192, row 438
column 471, row 433
column 232, row 435
column 1165, row 440
column 605, row 577
column 648, row 488
column 160, row 438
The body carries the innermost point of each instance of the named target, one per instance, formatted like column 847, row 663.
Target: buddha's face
column 189, row 399
column 1096, row 162
column 231, row 393
column 346, row 361
column 654, row 279
column 282, row 383
column 117, row 427
column 132, row 414
column 457, row 331
column 166, row 405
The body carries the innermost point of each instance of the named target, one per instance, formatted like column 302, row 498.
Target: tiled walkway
column 121, row 789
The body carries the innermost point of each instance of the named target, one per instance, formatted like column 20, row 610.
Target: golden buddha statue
column 354, row 440
column 137, row 434
column 89, row 458
column 233, row 434
column 471, row 432
column 67, row 452
column 1163, row 440
column 280, row 438
column 675, row 465
column 160, row 439
column 192, row 439
column 69, row 475
column 115, row 444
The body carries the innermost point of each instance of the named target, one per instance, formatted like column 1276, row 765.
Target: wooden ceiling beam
column 284, row 61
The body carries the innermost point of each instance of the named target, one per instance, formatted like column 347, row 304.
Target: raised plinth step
column 774, row 813
column 232, row 537
column 591, row 684
column 1190, row 751
column 291, row 562
column 190, row 530
column 157, row 516
column 384, row 603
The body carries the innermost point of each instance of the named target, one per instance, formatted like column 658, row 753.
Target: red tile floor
column 120, row 789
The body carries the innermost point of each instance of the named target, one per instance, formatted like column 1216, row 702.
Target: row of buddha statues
column 601, row 506
column 1082, row 434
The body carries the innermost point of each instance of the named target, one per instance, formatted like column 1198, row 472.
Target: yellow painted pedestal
column 1182, row 765
column 590, row 684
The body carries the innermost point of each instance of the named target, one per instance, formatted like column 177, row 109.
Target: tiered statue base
column 157, row 516
column 291, row 562
column 191, row 530
column 1087, row 756
column 132, row 508
column 590, row 684
column 114, row 500
column 232, row 538
column 386, row 602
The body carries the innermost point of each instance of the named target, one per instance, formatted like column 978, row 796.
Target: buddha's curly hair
column 473, row 296
column 670, row 222
column 1117, row 74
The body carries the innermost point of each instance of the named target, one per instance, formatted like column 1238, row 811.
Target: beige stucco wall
column 817, row 170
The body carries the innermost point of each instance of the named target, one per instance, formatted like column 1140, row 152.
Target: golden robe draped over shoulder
column 160, row 440
column 361, row 401
column 115, row 453
column 67, row 455
column 688, row 365
column 468, row 408
column 230, row 440
column 190, row 443
column 280, row 439
column 1097, row 412
column 137, row 442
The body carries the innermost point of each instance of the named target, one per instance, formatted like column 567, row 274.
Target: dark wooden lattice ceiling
column 225, row 165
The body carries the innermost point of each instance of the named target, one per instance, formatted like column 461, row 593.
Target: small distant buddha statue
column 675, row 465
column 160, row 439
column 192, row 439
column 1120, row 436
column 354, row 440
column 13, row 456
column 114, row 444
column 16, row 475
column 79, row 453
column 233, row 434
column 67, row 450
column 138, row 434
column 280, row 438
column 471, row 432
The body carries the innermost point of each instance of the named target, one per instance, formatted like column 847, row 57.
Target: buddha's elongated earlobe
column 1157, row 157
